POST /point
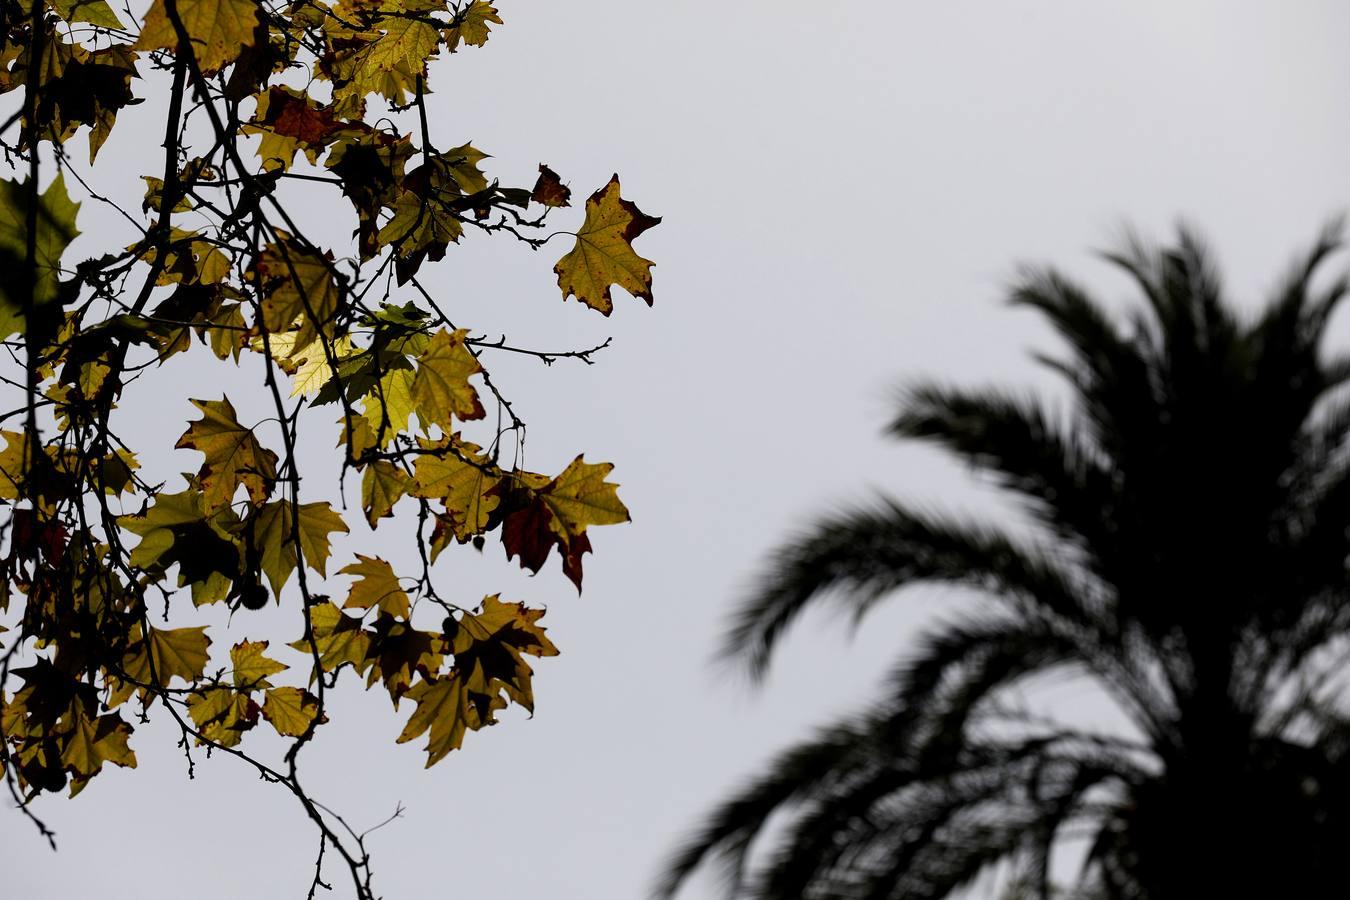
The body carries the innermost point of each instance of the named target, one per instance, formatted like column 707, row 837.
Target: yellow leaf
column 251, row 668
column 557, row 513
column 462, row 478
column 442, row 707
column 233, row 456
column 13, row 464
column 339, row 637
column 222, row 715
column 177, row 653
column 385, row 60
column 273, row 538
column 382, row 484
column 219, row 29
column 441, row 386
column 95, row 12
column 488, row 647
column 377, row 586
column 580, row 496
column 390, row 404
column 298, row 286
column 603, row 255
column 92, row 741
column 473, row 25
column 55, row 230
column 290, row 710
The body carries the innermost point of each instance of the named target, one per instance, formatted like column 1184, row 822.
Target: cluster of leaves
column 97, row 550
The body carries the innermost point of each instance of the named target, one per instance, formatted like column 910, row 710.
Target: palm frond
column 859, row 556
column 1067, row 488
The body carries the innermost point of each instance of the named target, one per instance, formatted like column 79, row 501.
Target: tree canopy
column 1184, row 551
column 106, row 565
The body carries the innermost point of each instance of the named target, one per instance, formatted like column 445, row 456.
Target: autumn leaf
column 580, row 496
column 219, row 30
column 376, row 585
column 92, row 741
column 175, row 652
column 441, row 386
column 549, row 189
column 290, row 710
column 95, row 12
column 473, row 25
column 290, row 121
column 442, row 707
column 603, row 255
column 233, row 454
column 222, row 715
column 176, row 529
column 298, row 286
column 558, row 514
column 340, row 639
column 400, row 653
column 272, row 535
column 489, row 645
column 463, row 479
column 55, row 230
column 84, row 87
column 251, row 667
column 382, row 484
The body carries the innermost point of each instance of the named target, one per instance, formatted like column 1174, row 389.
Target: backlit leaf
column 233, row 454
column 219, row 30
column 603, row 255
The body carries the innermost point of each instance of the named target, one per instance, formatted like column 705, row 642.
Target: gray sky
column 846, row 190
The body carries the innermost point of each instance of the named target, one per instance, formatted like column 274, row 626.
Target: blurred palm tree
column 1187, row 553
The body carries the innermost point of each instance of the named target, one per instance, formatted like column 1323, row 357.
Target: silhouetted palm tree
column 1186, row 550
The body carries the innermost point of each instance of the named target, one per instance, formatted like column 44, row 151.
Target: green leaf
column 56, row 214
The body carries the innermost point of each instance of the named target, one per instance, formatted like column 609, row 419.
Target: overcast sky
column 846, row 191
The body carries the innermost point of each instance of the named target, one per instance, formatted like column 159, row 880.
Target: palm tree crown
column 1188, row 554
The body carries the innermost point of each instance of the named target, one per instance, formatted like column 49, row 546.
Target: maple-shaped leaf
column 274, row 538
column 55, row 230
column 177, row 529
column 13, row 464
column 580, row 496
column 376, row 585
column 465, row 481
column 233, row 454
column 382, row 484
column 441, row 386
column 251, row 667
column 557, row 515
column 289, row 121
column 340, row 639
column 175, row 652
column 95, row 12
column 154, row 196
column 420, row 228
column 222, row 715
column 488, row 647
column 190, row 258
column 371, row 167
column 472, row 25
column 385, row 58
column 82, row 87
column 298, row 286
column 603, row 255
column 442, row 707
column 219, row 30
column 549, row 189
column 390, row 404
column 401, row 652
column 91, row 741
column 291, row 710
